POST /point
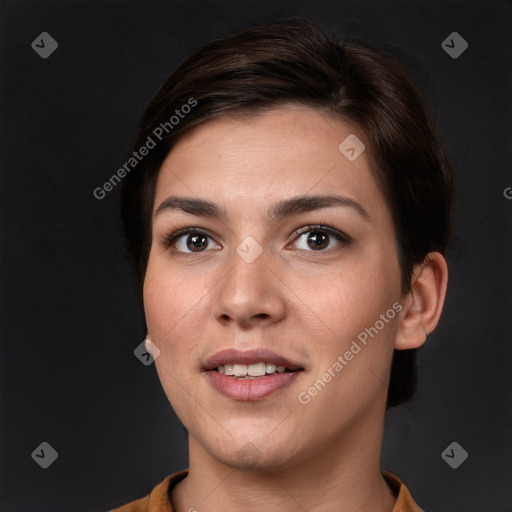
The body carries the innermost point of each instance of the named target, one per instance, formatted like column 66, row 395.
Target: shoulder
column 158, row 499
column 404, row 500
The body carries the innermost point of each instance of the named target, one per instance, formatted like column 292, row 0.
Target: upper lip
column 256, row 355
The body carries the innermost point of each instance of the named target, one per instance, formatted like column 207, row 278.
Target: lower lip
column 250, row 389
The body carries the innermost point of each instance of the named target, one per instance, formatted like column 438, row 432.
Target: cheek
column 175, row 313
column 157, row 298
column 166, row 296
column 357, row 295
column 167, row 310
column 163, row 307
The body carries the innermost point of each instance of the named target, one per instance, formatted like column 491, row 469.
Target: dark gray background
column 70, row 320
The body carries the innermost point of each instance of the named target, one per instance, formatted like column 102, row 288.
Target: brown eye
column 318, row 238
column 193, row 242
column 190, row 241
column 196, row 242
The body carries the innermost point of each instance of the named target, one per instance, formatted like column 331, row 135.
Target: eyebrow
column 278, row 211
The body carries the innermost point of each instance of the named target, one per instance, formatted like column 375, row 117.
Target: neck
column 351, row 461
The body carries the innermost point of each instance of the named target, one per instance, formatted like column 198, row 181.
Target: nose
column 250, row 294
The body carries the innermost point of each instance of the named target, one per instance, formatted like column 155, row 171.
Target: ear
column 423, row 305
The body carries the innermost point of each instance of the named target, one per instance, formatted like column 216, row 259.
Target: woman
column 287, row 212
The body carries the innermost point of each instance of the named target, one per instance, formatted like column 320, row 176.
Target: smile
column 251, row 374
column 253, row 370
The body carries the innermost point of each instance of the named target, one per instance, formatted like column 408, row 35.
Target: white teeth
column 256, row 369
column 252, row 370
column 240, row 370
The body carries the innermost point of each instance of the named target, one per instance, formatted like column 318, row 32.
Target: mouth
column 253, row 370
column 250, row 363
column 250, row 375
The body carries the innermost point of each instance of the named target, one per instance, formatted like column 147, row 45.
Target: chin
column 251, row 456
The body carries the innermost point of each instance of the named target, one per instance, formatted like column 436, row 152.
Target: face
column 305, row 284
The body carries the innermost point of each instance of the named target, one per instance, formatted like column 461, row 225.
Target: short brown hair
column 294, row 61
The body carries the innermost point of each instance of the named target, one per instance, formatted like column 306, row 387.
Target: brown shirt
column 158, row 499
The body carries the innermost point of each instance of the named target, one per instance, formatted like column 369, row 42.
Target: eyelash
column 341, row 237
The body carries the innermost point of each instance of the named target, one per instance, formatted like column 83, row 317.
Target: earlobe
column 424, row 303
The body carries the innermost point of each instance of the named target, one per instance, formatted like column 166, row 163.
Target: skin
column 305, row 303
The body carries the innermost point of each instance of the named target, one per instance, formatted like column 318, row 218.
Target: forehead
column 262, row 157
